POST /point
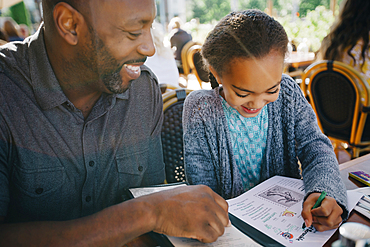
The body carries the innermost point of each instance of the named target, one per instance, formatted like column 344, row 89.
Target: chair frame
column 184, row 56
column 362, row 104
column 190, row 57
column 170, row 98
column 167, row 87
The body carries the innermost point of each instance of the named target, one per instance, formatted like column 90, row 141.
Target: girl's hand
column 325, row 217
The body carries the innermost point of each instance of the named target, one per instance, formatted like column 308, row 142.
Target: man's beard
column 113, row 82
column 103, row 60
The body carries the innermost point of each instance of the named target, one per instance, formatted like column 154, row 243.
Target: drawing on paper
column 282, row 196
column 287, row 235
column 288, row 213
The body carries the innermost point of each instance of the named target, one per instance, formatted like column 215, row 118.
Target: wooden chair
column 196, row 64
column 341, row 101
column 167, row 87
column 184, row 58
column 172, row 135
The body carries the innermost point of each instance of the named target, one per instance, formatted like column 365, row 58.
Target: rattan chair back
column 172, row 135
column 340, row 99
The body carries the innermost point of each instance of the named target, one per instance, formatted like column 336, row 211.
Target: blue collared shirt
column 56, row 165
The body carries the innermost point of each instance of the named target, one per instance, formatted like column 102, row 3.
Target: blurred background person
column 3, row 38
column 24, row 31
column 178, row 38
column 348, row 40
column 11, row 28
column 162, row 63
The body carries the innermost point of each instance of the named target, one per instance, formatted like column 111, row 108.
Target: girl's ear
column 213, row 71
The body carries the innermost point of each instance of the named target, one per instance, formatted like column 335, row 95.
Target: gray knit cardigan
column 293, row 134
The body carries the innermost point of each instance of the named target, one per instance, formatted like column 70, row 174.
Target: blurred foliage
column 310, row 27
column 209, row 10
column 19, row 13
column 258, row 4
column 314, row 27
column 252, row 4
column 307, row 5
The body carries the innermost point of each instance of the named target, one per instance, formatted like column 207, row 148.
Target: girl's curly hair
column 244, row 34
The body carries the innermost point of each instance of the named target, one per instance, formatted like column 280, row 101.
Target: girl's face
column 250, row 84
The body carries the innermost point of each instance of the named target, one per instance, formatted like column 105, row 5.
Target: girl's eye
column 241, row 96
column 274, row 91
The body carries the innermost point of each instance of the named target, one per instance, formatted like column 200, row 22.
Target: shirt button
column 140, row 168
column 88, row 198
column 39, row 191
column 91, row 163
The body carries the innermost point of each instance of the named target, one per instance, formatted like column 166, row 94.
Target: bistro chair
column 341, row 101
column 196, row 64
column 167, row 87
column 172, row 135
column 184, row 57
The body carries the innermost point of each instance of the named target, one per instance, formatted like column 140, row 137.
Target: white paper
column 137, row 192
column 274, row 208
column 232, row 238
column 363, row 191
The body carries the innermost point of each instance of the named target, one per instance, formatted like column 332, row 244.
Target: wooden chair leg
column 356, row 152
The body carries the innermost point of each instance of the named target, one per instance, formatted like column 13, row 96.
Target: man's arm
column 189, row 211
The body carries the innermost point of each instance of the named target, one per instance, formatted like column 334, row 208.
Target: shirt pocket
column 131, row 167
column 38, row 182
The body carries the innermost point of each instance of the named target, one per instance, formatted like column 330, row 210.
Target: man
column 178, row 38
column 79, row 123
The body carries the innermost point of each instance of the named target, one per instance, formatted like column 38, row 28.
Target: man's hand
column 325, row 217
column 192, row 212
column 189, row 211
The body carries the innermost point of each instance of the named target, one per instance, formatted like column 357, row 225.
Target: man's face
column 118, row 41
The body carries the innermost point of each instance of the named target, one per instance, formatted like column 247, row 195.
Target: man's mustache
column 141, row 60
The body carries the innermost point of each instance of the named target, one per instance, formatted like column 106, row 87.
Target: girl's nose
column 256, row 103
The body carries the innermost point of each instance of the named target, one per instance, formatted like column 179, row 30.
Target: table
column 361, row 163
column 296, row 62
column 299, row 59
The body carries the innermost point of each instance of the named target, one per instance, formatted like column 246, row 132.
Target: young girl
column 258, row 123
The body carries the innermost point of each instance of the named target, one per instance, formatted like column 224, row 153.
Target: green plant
column 314, row 27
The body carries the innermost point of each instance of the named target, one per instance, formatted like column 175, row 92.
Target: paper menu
column 232, row 237
column 274, row 208
column 364, row 212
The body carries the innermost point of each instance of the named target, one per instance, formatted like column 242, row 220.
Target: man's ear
column 215, row 74
column 68, row 22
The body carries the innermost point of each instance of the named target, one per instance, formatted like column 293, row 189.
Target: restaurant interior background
column 306, row 21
